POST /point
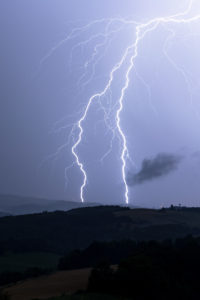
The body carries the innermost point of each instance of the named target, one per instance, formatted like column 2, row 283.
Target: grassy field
column 20, row 262
column 54, row 285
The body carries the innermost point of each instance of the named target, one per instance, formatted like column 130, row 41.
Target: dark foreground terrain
column 152, row 247
column 152, row 270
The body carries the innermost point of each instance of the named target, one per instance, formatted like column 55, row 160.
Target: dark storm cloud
column 156, row 167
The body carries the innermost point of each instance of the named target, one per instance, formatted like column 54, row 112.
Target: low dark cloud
column 156, row 167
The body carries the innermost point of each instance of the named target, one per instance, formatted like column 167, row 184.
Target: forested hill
column 60, row 232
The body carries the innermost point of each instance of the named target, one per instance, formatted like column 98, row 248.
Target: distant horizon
column 95, row 203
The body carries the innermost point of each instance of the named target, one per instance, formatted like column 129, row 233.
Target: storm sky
column 42, row 94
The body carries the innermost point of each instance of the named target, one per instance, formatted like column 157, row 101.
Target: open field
column 59, row 283
column 22, row 261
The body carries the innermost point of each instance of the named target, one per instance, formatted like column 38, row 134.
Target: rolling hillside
column 60, row 232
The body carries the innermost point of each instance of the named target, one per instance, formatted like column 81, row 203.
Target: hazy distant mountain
column 17, row 205
column 4, row 214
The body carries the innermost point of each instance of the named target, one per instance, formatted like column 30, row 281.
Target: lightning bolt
column 128, row 59
column 84, row 116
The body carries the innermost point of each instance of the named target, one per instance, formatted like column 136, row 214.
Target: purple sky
column 161, row 108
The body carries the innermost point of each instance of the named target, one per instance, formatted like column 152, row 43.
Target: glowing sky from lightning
column 141, row 30
column 100, row 87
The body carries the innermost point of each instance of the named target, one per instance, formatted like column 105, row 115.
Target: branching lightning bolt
column 129, row 57
column 82, row 119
